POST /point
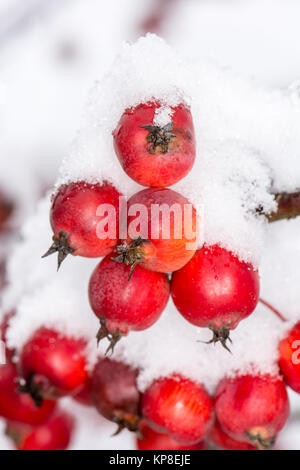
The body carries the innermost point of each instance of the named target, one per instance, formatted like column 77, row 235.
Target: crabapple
column 289, row 358
column 178, row 406
column 252, row 408
column 164, row 242
column 154, row 155
column 52, row 365
column 122, row 306
column 153, row 440
column 53, row 434
column 215, row 290
column 75, row 220
column 115, row 395
column 17, row 406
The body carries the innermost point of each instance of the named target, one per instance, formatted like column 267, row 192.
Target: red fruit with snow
column 289, row 358
column 153, row 154
column 78, row 218
column 115, row 394
column 18, row 406
column 180, row 407
column 252, row 408
column 162, row 243
column 220, row 439
column 153, row 440
column 52, row 365
column 215, row 290
column 54, row 434
column 122, row 306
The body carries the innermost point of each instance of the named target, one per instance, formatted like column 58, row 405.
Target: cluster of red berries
column 129, row 290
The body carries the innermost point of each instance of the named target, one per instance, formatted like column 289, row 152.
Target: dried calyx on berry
column 112, row 336
column 159, row 138
column 257, row 439
column 221, row 335
column 130, row 254
column 61, row 246
column 34, row 387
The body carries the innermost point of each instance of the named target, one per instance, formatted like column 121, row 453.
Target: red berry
column 53, row 365
column 221, row 440
column 122, row 306
column 77, row 228
column 3, row 331
column 215, row 290
column 153, row 440
column 289, row 358
column 252, row 408
column 115, row 394
column 6, row 209
column 54, row 434
column 152, row 155
column 180, row 407
column 18, row 406
column 84, row 395
column 163, row 244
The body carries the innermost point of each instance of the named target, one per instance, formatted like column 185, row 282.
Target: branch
column 288, row 206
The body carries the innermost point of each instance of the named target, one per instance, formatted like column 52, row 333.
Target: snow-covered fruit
column 152, row 440
column 53, row 434
column 115, row 395
column 289, row 358
column 122, row 306
column 221, row 440
column 161, row 241
column 215, row 290
column 178, row 406
column 152, row 154
column 52, row 365
column 18, row 406
column 252, row 408
column 77, row 220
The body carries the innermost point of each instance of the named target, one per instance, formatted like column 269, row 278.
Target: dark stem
column 112, row 336
column 61, row 246
column 159, row 138
column 288, row 207
column 220, row 335
column 270, row 307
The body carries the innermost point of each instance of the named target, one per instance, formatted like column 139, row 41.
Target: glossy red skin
column 114, row 388
column 221, row 440
column 19, row 406
column 163, row 255
column 73, row 212
column 180, row 407
column 289, row 358
column 133, row 305
column 84, row 395
column 148, row 168
column 57, row 361
column 54, row 434
column 247, row 402
column 161, row 441
column 215, row 289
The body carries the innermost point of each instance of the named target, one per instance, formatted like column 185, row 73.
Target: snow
column 247, row 139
